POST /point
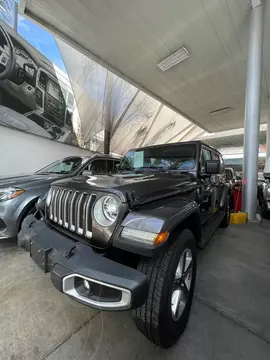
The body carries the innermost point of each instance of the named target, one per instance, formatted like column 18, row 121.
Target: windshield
column 175, row 157
column 64, row 166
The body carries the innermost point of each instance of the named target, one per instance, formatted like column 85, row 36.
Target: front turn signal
column 161, row 238
column 144, row 237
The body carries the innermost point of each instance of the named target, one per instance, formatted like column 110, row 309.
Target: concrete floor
column 230, row 317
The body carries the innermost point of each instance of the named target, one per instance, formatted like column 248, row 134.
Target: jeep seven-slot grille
column 71, row 209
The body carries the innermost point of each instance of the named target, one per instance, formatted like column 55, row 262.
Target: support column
column 15, row 16
column 268, row 136
column 107, row 141
column 107, row 112
column 253, row 109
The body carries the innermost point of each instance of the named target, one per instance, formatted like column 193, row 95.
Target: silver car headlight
column 106, row 210
column 49, row 197
column 10, row 193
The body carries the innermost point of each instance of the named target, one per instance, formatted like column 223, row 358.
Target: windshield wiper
column 151, row 167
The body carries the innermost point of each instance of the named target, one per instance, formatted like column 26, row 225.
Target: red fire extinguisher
column 237, row 197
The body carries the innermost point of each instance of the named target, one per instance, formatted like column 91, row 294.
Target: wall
column 21, row 152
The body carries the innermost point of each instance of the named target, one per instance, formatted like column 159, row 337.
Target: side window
column 206, row 155
column 116, row 162
column 110, row 165
column 99, row 166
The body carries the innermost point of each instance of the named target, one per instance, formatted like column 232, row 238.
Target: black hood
column 137, row 188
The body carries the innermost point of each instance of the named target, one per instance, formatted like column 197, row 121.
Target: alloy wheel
column 181, row 284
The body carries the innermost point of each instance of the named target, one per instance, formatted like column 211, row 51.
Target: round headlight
column 106, row 210
column 49, row 197
column 110, row 208
column 268, row 190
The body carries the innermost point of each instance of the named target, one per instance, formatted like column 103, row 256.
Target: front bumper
column 11, row 213
column 8, row 219
column 112, row 286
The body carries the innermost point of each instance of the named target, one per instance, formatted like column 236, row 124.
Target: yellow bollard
column 239, row 218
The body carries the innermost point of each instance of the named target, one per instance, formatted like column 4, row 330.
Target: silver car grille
column 71, row 209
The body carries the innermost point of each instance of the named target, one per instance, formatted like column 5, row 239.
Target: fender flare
column 157, row 218
column 172, row 216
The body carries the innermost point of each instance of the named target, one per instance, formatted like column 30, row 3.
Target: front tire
column 165, row 313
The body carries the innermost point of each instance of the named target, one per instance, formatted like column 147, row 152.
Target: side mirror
column 87, row 173
column 212, row 167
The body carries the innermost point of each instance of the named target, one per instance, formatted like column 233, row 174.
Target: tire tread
column 147, row 317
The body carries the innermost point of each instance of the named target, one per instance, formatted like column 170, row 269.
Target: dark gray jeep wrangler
column 128, row 240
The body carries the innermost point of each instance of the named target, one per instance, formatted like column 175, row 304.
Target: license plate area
column 40, row 255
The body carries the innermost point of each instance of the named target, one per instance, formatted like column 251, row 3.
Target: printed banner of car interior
column 49, row 88
column 35, row 96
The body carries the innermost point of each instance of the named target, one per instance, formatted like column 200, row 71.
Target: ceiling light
column 174, row 59
column 221, row 111
column 209, row 134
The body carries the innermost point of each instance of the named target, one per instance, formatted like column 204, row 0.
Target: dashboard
column 49, row 97
column 54, row 90
column 23, row 58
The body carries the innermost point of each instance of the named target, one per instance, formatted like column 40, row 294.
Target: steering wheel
column 6, row 55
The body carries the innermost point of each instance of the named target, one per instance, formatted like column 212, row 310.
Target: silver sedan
column 18, row 194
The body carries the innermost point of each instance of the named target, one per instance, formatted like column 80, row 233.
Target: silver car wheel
column 181, row 284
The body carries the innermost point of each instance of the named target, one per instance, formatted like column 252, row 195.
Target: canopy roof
column 131, row 37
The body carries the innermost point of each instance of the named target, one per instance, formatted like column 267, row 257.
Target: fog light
column 86, row 284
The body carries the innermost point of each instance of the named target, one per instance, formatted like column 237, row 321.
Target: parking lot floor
column 230, row 317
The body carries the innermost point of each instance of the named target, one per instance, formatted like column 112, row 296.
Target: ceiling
column 233, row 141
column 231, row 138
column 130, row 37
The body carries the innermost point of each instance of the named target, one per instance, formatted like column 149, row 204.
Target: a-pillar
column 253, row 109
